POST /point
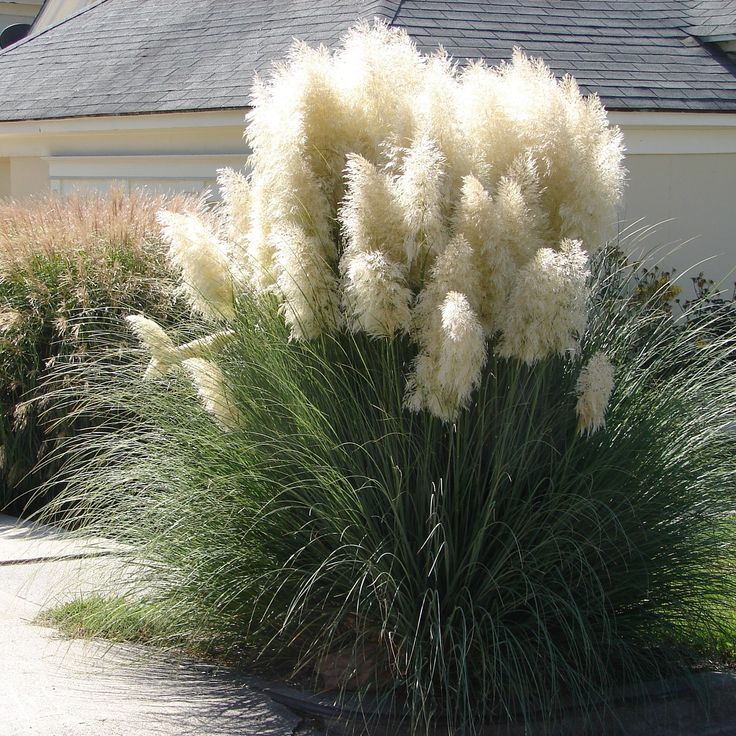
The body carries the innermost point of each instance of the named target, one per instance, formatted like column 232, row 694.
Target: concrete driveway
column 55, row 687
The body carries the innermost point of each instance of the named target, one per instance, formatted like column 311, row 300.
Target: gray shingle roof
column 140, row 56
column 713, row 19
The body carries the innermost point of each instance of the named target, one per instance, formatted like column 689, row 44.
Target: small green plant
column 114, row 619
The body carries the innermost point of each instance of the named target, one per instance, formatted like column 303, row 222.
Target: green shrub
column 69, row 268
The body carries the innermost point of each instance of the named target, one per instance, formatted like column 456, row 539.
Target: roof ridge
column 387, row 8
column 27, row 39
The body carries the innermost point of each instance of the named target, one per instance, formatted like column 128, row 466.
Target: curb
column 701, row 705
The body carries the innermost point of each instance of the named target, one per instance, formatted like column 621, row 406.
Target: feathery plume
column 475, row 215
column 417, row 187
column 371, row 216
column 594, row 388
column 482, row 223
column 421, row 196
column 209, row 381
column 161, row 347
column 376, row 298
column 438, row 94
column 202, row 259
column 204, row 346
column 449, row 365
column 463, row 352
column 9, row 320
column 307, row 284
column 167, row 356
column 547, row 308
column 236, row 199
column 380, row 105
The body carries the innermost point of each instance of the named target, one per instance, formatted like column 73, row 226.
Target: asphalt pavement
column 51, row 686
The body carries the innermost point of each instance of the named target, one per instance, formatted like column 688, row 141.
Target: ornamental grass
column 69, row 269
column 425, row 439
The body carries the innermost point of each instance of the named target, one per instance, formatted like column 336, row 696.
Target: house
column 18, row 11
column 154, row 92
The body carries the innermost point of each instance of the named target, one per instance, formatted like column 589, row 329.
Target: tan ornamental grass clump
column 455, row 205
column 89, row 222
column 68, row 267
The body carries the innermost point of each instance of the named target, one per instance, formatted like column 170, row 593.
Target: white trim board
column 645, row 133
column 219, row 118
column 111, row 123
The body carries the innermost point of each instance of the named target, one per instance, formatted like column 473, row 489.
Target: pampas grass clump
column 423, row 441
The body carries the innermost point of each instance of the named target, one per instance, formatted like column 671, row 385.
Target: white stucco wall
column 177, row 152
column 28, row 175
column 682, row 185
column 682, row 169
column 4, row 177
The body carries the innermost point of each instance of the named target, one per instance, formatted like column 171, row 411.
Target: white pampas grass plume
column 594, row 388
column 389, row 184
column 449, row 365
column 478, row 220
column 423, row 391
column 421, row 195
column 438, row 94
column 463, row 352
column 376, row 298
column 450, row 296
column 209, row 381
column 371, row 217
column 475, row 215
column 496, row 271
column 521, row 221
column 454, row 270
column 306, row 283
column 485, row 114
column 151, row 334
column 380, row 102
column 547, row 308
column 236, row 207
column 202, row 259
column 259, row 251
column 236, row 200
column 586, row 176
column 157, row 342
column 204, row 346
column 167, row 356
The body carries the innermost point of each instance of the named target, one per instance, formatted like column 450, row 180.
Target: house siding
column 690, row 199
column 682, row 170
column 28, row 175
